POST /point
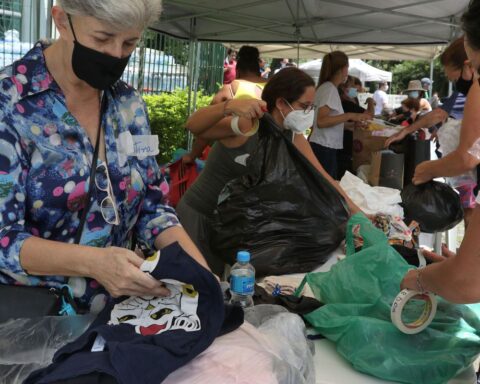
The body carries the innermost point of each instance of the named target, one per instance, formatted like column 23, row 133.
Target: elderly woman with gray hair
column 78, row 176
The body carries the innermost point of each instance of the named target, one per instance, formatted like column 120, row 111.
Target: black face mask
column 97, row 69
column 462, row 85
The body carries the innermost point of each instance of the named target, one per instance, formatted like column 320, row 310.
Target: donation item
column 434, row 205
column 282, row 209
column 358, row 293
column 144, row 339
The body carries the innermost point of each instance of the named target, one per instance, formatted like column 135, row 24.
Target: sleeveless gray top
column 223, row 164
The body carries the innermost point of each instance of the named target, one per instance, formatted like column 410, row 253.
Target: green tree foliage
column 404, row 71
column 168, row 114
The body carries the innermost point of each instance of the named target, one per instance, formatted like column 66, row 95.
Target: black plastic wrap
column 282, row 210
column 435, row 206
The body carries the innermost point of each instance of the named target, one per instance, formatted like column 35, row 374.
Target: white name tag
column 138, row 145
column 145, row 145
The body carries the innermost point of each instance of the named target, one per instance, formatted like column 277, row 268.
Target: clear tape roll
column 422, row 262
column 423, row 321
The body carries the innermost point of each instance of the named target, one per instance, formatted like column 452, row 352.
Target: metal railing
column 160, row 63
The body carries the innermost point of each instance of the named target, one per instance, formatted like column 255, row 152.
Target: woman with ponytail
column 326, row 138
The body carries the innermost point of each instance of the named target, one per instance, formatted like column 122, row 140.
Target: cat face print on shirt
column 154, row 315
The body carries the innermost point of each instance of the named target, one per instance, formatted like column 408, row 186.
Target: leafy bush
column 168, row 114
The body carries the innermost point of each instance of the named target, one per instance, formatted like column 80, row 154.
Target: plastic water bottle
column 242, row 280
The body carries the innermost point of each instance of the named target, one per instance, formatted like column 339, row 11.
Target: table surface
column 332, row 368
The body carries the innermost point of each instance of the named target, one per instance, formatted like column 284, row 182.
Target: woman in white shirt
column 327, row 135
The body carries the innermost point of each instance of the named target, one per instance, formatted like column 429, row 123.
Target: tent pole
column 297, row 31
column 191, row 63
column 431, row 73
column 196, row 74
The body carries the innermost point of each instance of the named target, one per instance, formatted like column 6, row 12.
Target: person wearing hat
column 426, row 85
column 431, row 96
column 416, row 91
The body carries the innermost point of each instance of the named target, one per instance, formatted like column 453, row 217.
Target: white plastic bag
column 449, row 139
column 370, row 199
column 269, row 348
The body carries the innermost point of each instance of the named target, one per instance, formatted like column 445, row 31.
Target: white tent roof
column 378, row 52
column 357, row 67
column 369, row 28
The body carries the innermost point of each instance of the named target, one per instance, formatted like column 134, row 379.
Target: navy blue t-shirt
column 454, row 105
column 147, row 338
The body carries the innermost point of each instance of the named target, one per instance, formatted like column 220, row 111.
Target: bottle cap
column 243, row 256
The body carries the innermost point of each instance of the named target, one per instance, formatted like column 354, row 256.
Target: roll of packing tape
column 238, row 132
column 424, row 320
column 422, row 262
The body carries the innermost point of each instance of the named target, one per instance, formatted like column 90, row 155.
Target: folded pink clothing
column 238, row 357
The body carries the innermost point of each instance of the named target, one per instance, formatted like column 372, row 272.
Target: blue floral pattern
column 45, row 162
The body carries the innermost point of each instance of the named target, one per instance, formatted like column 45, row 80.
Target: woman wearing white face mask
column 288, row 97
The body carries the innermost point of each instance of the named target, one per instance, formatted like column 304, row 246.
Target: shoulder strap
column 93, row 171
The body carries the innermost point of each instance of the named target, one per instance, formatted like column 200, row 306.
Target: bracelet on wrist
column 420, row 286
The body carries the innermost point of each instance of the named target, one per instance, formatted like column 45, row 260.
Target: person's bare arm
column 177, row 233
column 428, row 120
column 117, row 269
column 458, row 161
column 198, row 146
column 324, row 120
column 456, row 278
column 425, row 105
column 207, row 117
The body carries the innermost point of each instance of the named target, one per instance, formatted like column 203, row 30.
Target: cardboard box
column 364, row 144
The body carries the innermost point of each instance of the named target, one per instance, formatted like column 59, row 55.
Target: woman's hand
column 250, row 109
column 399, row 136
column 118, row 270
column 423, row 173
column 410, row 280
column 360, row 117
column 436, row 258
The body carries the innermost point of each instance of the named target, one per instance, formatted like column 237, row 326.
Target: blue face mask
column 414, row 94
column 352, row 92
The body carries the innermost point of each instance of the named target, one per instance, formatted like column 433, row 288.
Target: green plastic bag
column 358, row 292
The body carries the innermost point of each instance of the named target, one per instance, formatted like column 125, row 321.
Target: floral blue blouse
column 45, row 162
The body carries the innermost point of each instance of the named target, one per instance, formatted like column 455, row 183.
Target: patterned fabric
column 397, row 232
column 45, row 162
column 467, row 195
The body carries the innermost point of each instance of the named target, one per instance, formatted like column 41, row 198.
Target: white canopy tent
column 371, row 29
column 365, row 72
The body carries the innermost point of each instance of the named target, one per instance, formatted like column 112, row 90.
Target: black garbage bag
column 435, row 206
column 282, row 210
